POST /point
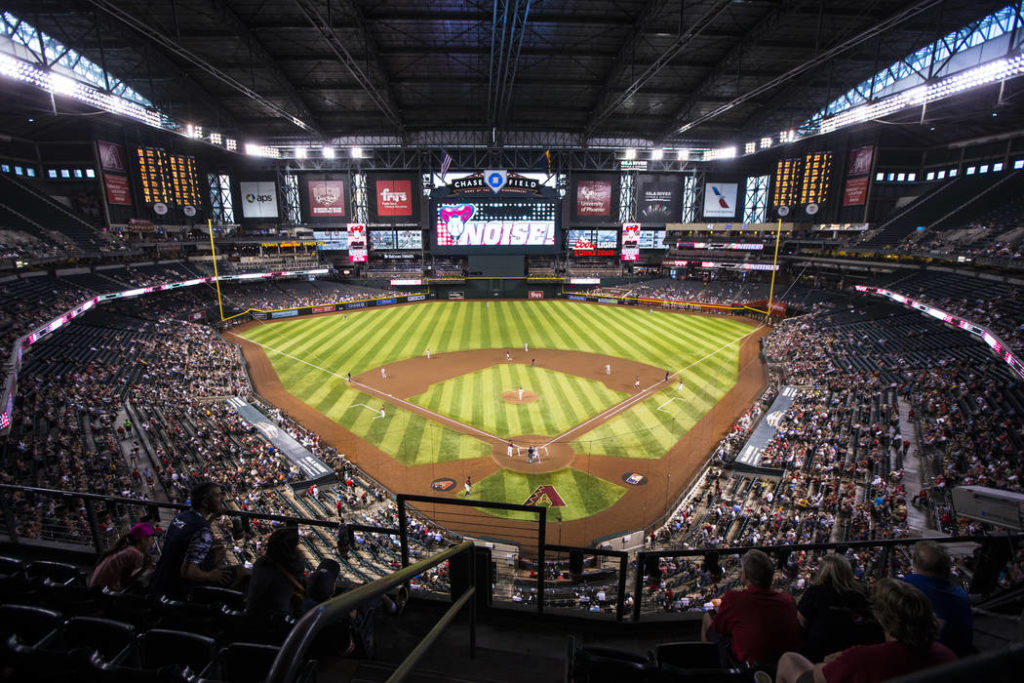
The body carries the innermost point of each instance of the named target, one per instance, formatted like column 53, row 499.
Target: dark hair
column 904, row 613
column 932, row 559
column 283, row 546
column 758, row 567
column 200, row 492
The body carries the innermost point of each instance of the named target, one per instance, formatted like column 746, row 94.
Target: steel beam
column 380, row 94
column 265, row 59
column 612, row 101
column 887, row 24
column 508, row 25
column 114, row 10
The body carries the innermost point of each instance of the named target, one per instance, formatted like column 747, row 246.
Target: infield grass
column 312, row 356
column 475, row 399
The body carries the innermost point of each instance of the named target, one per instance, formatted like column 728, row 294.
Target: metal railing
column 292, row 655
column 885, row 565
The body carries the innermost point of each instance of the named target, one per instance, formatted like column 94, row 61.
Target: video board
column 496, row 224
column 652, row 239
column 331, row 240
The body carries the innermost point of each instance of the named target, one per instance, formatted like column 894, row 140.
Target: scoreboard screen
column 496, row 224
column 788, row 173
column 817, row 177
column 168, row 178
column 802, row 180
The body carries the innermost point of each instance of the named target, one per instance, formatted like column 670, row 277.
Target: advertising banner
column 357, row 243
column 720, row 200
column 659, row 199
column 111, row 156
column 535, row 294
column 395, row 197
column 595, row 199
column 326, row 198
column 117, row 190
column 259, row 200
column 855, row 192
column 860, row 161
column 630, row 241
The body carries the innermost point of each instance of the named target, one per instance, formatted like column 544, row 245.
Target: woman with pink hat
column 130, row 557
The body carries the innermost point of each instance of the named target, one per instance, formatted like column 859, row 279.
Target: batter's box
column 539, row 451
column 670, row 412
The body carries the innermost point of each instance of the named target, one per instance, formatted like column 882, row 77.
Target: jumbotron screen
column 496, row 224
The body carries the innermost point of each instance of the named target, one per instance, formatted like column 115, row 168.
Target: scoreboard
column 802, row 180
column 817, row 177
column 168, row 178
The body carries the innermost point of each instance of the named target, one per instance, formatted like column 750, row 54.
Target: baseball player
column 468, row 484
column 508, row 450
column 520, row 393
column 636, row 382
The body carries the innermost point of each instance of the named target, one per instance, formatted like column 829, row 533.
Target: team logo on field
column 445, row 484
column 634, row 478
column 547, row 496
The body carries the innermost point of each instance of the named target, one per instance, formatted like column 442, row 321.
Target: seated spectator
column 932, row 569
column 276, row 586
column 911, row 628
column 834, row 611
column 755, row 625
column 127, row 561
column 189, row 555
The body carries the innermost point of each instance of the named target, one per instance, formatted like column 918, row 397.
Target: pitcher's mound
column 513, row 397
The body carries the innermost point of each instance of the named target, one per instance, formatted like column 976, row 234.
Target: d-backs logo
column 547, row 496
column 445, row 484
column 324, row 194
column 453, row 220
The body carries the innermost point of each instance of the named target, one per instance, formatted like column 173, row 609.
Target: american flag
column 446, row 163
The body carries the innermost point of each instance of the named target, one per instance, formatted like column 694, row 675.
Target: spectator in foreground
column 933, row 569
column 277, row 585
column 756, row 625
column 189, row 557
column 124, row 563
column 834, row 611
column 911, row 629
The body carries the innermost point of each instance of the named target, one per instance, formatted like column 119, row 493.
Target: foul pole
column 775, row 265
column 216, row 276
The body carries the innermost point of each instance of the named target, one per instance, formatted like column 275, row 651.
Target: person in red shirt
column 910, row 626
column 755, row 625
column 127, row 560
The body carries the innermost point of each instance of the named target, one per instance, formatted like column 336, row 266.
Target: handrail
column 293, row 651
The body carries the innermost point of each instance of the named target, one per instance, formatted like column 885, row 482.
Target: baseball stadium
column 451, row 341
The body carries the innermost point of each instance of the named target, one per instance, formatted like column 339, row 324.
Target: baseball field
column 425, row 395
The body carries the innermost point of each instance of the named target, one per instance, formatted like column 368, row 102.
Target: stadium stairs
column 930, row 207
column 41, row 210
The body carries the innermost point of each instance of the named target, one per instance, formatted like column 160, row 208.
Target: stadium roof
column 539, row 73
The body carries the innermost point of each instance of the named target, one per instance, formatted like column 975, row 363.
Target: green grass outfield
column 475, row 399
column 312, row 355
column 582, row 493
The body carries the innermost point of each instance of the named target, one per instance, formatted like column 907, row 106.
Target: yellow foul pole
column 216, row 277
column 775, row 264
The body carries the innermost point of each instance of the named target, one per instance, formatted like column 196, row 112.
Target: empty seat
column 603, row 664
column 686, row 655
column 160, row 648
column 47, row 573
column 106, row 637
column 241, row 663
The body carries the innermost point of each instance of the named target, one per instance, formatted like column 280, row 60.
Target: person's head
column 283, row 545
column 931, row 559
column 904, row 613
column 142, row 536
column 835, row 570
column 207, row 497
column 757, row 569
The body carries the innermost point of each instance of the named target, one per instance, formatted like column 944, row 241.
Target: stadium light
column 630, row 154
column 328, row 152
column 300, row 152
column 357, row 152
column 683, row 155
column 657, row 154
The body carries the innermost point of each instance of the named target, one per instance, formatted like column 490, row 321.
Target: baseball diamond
column 452, row 415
